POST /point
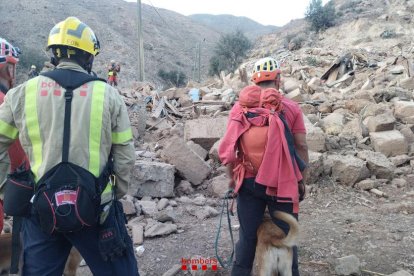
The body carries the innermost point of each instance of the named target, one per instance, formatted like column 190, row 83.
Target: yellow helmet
column 74, row 33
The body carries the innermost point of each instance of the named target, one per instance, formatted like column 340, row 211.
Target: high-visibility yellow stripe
column 121, row 137
column 8, row 130
column 95, row 126
column 32, row 123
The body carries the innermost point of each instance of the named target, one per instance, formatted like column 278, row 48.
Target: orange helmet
column 265, row 69
column 8, row 53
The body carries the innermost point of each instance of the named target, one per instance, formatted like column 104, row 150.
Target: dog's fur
column 71, row 266
column 274, row 252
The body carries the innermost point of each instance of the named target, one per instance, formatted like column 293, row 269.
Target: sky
column 265, row 12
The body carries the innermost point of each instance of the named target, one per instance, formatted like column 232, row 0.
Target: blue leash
column 227, row 264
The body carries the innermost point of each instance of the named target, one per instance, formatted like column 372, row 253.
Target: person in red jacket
column 266, row 166
column 16, row 155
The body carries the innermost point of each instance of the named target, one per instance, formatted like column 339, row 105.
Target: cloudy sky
column 266, row 12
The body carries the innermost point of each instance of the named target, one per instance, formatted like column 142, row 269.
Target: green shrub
column 29, row 57
column 320, row 17
column 312, row 61
column 229, row 53
column 173, row 77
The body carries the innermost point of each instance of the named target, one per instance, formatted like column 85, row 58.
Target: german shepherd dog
column 71, row 266
column 274, row 250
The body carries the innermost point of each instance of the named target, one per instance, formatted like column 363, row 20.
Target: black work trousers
column 251, row 204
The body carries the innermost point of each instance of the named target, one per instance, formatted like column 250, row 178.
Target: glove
column 302, row 190
column 112, row 233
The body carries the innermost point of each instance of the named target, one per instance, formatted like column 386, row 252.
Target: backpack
column 67, row 198
column 253, row 141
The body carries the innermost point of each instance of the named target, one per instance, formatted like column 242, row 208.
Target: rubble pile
column 359, row 115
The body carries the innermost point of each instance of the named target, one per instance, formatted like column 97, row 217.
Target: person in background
column 33, row 72
column 113, row 70
column 15, row 157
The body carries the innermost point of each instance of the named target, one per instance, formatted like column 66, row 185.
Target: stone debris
column 154, row 179
column 346, row 266
column 188, row 164
column 359, row 118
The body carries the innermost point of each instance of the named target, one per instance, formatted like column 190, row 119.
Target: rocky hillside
column 227, row 23
column 169, row 38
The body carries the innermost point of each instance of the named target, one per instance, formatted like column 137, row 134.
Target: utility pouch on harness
column 67, row 197
column 18, row 190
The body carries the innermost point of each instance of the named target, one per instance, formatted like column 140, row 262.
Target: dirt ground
column 336, row 221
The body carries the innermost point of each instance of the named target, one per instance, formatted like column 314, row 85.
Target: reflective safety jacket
column 34, row 112
column 11, row 160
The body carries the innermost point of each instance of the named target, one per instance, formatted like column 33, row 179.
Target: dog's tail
column 291, row 238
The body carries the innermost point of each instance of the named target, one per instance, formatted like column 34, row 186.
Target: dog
column 72, row 264
column 274, row 250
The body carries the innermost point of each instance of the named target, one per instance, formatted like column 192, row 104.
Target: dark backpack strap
column 70, row 78
column 16, row 246
column 291, row 143
column 66, row 125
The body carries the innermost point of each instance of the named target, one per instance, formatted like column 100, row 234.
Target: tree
column 173, row 77
column 229, row 53
column 320, row 17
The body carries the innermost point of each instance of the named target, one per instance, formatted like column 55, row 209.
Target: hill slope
column 169, row 38
column 226, row 23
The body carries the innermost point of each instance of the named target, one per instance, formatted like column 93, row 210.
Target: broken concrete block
column 353, row 128
column 314, row 84
column 333, row 123
column 315, row 167
column 347, row 266
column 366, row 184
column 390, row 143
column 213, row 153
column 295, row 95
column 128, row 206
column 315, row 137
column 148, row 207
column 154, row 179
column 166, row 215
column 137, row 234
column 200, row 200
column 184, row 188
column 407, row 83
column 159, row 229
column 403, row 109
column 381, row 122
column 378, row 164
column 356, row 105
column 162, row 204
column 188, row 164
column 347, row 169
column 290, row 84
column 205, row 131
column 198, row 149
column 220, row 185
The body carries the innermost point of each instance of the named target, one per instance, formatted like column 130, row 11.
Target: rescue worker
column 113, row 70
column 255, row 184
column 15, row 157
column 99, row 126
column 33, row 72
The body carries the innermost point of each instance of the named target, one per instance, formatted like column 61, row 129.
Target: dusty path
column 336, row 221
